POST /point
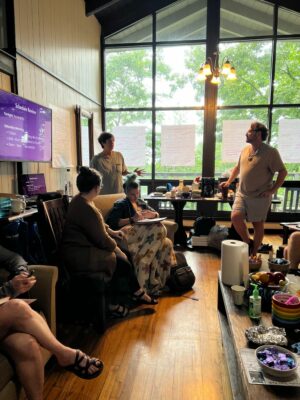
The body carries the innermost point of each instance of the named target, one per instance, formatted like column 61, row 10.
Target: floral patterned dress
column 152, row 254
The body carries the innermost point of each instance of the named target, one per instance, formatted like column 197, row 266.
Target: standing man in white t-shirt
column 111, row 165
column 256, row 167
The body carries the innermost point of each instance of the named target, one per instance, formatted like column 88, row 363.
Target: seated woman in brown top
column 88, row 244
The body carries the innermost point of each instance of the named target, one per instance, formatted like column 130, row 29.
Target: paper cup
column 238, row 294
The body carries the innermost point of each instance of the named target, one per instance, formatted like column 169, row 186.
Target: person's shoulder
column 121, row 201
column 245, row 149
column 268, row 148
column 78, row 202
column 96, row 157
column 117, row 154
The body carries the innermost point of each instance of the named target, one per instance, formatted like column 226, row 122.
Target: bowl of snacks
column 279, row 264
column 276, row 361
column 255, row 263
column 273, row 280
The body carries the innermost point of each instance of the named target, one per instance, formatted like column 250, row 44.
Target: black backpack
column 203, row 225
column 182, row 279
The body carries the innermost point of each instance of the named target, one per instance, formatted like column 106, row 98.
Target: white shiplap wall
column 59, row 37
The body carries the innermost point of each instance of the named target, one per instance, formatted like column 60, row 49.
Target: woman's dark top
column 14, row 264
column 124, row 209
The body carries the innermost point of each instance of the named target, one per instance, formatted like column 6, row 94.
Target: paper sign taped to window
column 178, row 145
column 289, row 140
column 131, row 142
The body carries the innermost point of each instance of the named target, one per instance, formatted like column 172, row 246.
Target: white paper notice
column 85, row 142
column 289, row 140
column 131, row 142
column 61, row 138
column 234, row 139
column 178, row 145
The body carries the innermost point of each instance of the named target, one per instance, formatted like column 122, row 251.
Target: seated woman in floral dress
column 151, row 251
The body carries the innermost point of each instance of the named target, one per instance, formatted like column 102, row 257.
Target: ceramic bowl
column 279, row 299
column 254, row 265
column 273, row 371
column 273, row 266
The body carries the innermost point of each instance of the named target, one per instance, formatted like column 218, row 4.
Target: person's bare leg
column 239, row 223
column 293, row 250
column 19, row 317
column 26, row 354
column 258, row 235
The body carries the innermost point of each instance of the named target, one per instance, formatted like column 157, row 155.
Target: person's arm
column 277, row 184
column 119, row 216
column 17, row 285
column 234, row 173
column 138, row 171
column 12, row 262
column 90, row 221
column 147, row 211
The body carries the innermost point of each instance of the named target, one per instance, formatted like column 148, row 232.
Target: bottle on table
column 255, row 304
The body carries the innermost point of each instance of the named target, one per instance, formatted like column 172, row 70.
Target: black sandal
column 119, row 312
column 82, row 371
column 138, row 298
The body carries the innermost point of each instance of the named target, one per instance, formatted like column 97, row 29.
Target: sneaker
column 265, row 248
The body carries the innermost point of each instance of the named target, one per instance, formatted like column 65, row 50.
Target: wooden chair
column 78, row 295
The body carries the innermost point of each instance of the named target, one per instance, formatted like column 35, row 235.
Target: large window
column 151, row 86
column 128, row 79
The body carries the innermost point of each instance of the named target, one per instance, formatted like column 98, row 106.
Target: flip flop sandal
column 82, row 371
column 138, row 298
column 119, row 312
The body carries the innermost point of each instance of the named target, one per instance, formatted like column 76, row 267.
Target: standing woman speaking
column 111, row 165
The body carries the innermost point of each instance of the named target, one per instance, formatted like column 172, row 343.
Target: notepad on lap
column 150, row 221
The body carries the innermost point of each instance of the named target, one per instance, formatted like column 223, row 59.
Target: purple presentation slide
column 25, row 129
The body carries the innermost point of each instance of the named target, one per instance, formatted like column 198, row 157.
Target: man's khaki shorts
column 254, row 209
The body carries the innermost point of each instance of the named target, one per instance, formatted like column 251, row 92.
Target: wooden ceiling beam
column 96, row 6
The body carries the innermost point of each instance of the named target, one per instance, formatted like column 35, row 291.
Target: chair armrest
column 171, row 227
column 44, row 292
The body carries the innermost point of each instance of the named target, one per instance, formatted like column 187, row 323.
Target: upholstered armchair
column 105, row 203
column 44, row 292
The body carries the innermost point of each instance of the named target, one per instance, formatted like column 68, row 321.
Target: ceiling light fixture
column 212, row 69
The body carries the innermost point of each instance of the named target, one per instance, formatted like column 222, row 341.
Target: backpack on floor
column 203, row 225
column 182, row 279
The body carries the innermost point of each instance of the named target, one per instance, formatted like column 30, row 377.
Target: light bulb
column 201, row 76
column 207, row 69
column 216, row 80
column 226, row 68
column 232, row 75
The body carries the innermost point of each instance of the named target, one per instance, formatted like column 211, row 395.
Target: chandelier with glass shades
column 215, row 72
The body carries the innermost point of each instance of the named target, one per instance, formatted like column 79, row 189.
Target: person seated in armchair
column 89, row 246
column 23, row 331
column 151, row 251
column 292, row 251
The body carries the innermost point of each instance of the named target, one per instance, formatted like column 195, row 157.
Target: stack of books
column 201, row 241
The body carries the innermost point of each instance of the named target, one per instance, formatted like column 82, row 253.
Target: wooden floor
column 172, row 353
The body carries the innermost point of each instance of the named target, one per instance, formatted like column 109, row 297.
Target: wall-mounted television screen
column 25, row 129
